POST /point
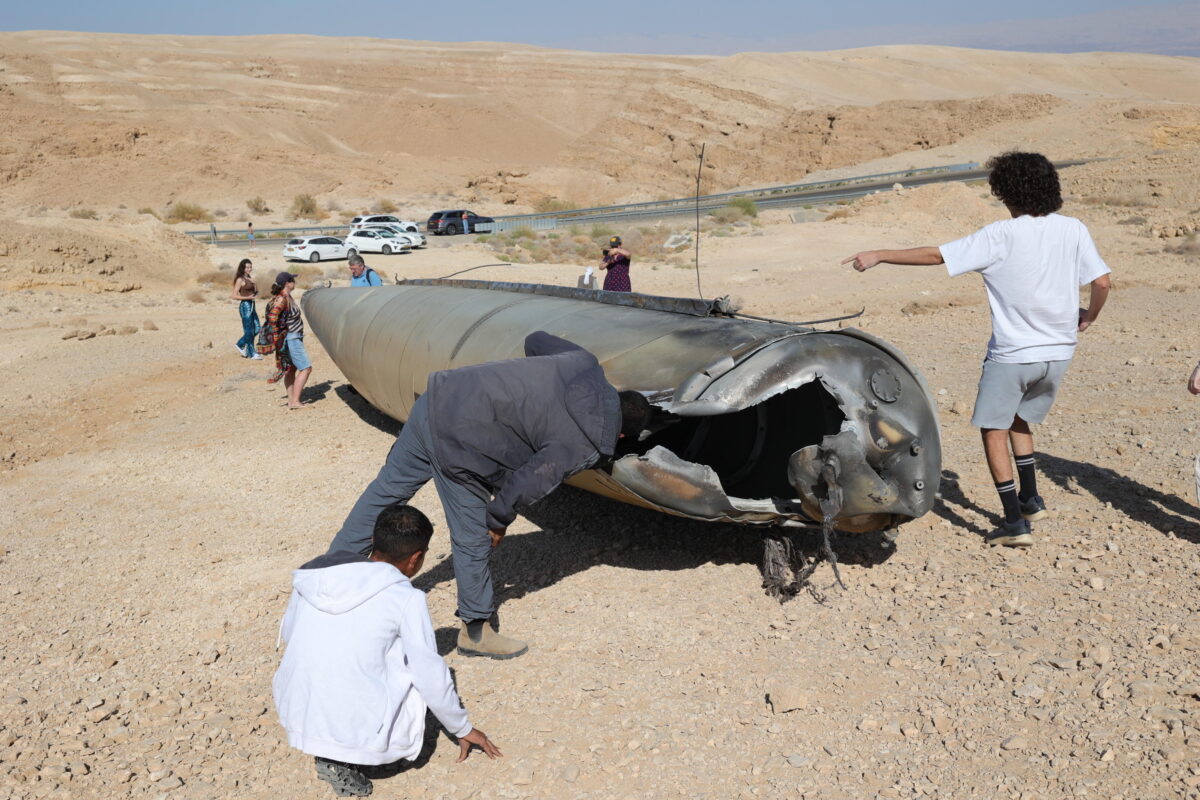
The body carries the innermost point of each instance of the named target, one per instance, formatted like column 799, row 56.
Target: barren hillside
column 141, row 121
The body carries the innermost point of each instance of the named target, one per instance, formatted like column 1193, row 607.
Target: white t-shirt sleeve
column 430, row 676
column 976, row 252
column 1091, row 265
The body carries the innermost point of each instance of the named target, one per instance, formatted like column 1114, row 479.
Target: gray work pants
column 409, row 466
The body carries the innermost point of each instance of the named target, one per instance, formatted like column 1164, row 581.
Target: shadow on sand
column 1158, row 510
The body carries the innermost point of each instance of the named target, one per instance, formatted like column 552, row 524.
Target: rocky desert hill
column 100, row 121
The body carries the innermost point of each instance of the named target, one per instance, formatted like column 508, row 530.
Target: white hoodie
column 361, row 666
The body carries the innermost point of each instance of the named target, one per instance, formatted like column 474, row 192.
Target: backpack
column 265, row 345
column 371, row 272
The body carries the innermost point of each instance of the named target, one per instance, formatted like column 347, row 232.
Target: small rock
column 797, row 760
column 1101, row 654
column 786, row 697
column 149, row 325
column 1108, row 755
column 1014, row 743
column 125, row 330
column 524, row 777
column 570, row 774
column 82, row 335
column 71, row 334
column 1096, row 582
column 208, row 345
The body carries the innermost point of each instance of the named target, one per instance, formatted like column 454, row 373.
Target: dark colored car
column 456, row 221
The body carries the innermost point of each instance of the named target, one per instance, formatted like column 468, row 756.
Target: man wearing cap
column 616, row 264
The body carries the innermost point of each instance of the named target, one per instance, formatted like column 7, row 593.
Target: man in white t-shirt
column 1032, row 267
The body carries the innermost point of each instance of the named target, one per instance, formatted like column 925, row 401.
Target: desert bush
column 180, row 211
column 549, row 205
column 216, row 276
column 523, row 232
column 602, row 232
column 304, row 206
column 1119, row 200
column 148, row 210
column 220, row 213
column 195, row 295
column 332, row 204
column 383, row 206
column 745, row 204
column 258, row 205
column 840, row 213
column 84, row 213
column 225, row 265
column 1188, row 247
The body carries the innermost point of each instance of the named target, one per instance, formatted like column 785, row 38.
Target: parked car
column 374, row 240
column 453, row 222
column 314, row 248
column 370, row 220
column 415, row 239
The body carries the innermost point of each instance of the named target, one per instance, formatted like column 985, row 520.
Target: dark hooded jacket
column 514, row 430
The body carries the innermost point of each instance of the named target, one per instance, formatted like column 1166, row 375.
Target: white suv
column 373, row 220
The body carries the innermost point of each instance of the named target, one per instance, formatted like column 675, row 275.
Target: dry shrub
column 745, row 205
column 257, row 205
column 840, row 213
column 550, row 205
column 194, row 295
column 383, row 206
column 332, row 204
column 84, row 213
column 523, row 233
column 180, row 211
column 1120, row 200
column 1188, row 247
column 150, row 211
column 220, row 213
column 304, row 206
column 214, row 277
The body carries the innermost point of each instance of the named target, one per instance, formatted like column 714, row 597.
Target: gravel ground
column 154, row 496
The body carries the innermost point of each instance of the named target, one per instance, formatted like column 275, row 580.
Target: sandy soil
column 155, row 494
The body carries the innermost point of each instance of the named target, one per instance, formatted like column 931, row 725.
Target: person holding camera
column 616, row 264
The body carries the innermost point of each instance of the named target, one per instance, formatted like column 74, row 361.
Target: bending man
column 495, row 438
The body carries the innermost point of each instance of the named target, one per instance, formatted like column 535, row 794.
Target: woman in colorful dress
column 292, row 363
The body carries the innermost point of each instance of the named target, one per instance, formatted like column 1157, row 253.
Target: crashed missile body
column 759, row 419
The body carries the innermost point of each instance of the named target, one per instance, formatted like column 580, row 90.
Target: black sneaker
column 1034, row 508
column 1011, row 534
column 346, row 779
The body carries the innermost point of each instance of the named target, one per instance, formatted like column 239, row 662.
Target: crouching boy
column 361, row 664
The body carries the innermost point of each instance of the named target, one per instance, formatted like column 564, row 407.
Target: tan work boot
column 480, row 638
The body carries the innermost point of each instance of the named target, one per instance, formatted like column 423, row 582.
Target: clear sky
column 708, row 27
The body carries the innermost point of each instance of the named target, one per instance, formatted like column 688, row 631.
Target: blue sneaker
column 1034, row 508
column 1011, row 534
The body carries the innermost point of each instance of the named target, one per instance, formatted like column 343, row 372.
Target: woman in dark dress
column 616, row 263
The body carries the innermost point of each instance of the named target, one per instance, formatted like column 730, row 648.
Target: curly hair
column 1026, row 182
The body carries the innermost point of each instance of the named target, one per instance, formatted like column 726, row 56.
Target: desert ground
column 155, row 494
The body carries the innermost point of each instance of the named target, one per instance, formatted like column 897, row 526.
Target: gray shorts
column 1007, row 391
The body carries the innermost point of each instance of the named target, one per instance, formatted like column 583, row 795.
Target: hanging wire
column 699, row 168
